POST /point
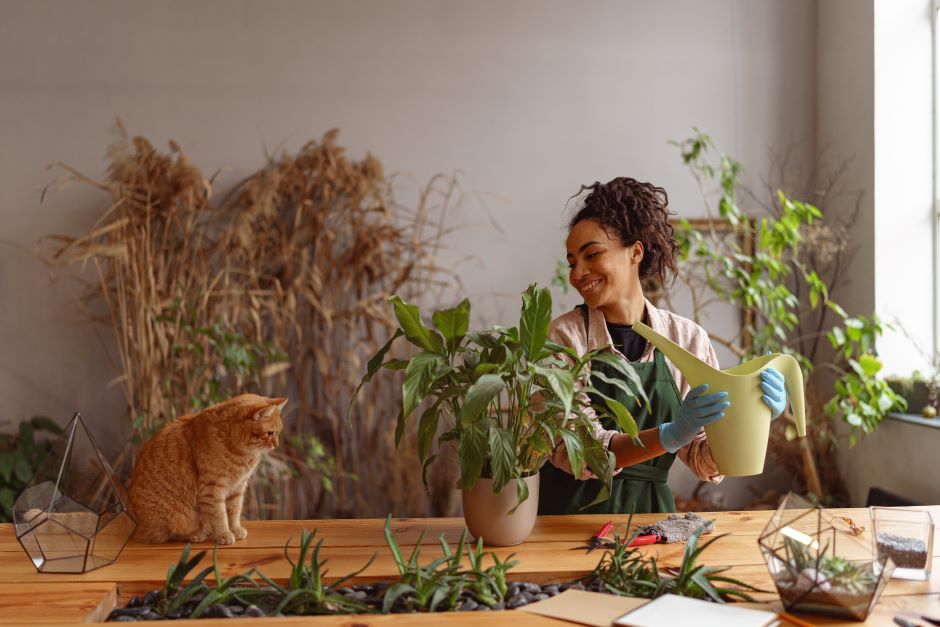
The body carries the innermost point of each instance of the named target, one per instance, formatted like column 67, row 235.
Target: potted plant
column 502, row 399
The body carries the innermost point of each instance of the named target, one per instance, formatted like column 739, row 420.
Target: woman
column 619, row 237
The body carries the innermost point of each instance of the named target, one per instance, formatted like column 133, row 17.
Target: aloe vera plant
column 437, row 586
column 626, row 571
column 307, row 592
column 503, row 397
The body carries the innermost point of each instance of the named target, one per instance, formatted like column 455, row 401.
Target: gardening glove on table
column 775, row 391
column 698, row 409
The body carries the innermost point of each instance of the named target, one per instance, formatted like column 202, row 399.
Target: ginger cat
column 189, row 480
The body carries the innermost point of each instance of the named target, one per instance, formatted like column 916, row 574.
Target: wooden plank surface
column 348, row 545
column 56, row 603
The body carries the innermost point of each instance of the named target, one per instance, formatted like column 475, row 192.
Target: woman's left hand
column 775, row 391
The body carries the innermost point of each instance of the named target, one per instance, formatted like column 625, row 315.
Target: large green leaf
column 7, row 497
column 575, row 451
column 6, row 465
column 453, row 323
column 538, row 443
column 623, row 417
column 535, row 320
column 22, row 469
column 561, row 348
column 427, row 427
column 374, row 364
column 502, row 456
column 624, row 368
column 562, row 384
column 418, row 379
column 409, row 318
column 602, row 464
column 616, row 382
column 480, row 394
column 869, row 363
column 472, row 453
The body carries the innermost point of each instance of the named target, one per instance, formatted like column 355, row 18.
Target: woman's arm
column 628, row 453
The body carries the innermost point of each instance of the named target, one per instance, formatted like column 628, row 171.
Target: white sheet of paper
column 670, row 609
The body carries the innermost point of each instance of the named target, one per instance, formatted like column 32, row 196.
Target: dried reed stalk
column 287, row 277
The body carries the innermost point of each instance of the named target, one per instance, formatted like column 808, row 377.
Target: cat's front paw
column 240, row 532
column 199, row 536
column 226, row 537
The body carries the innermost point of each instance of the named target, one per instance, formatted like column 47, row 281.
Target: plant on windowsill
column 502, row 399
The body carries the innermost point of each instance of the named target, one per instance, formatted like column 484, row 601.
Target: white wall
column 529, row 99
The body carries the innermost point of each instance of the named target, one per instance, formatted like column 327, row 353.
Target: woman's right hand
column 698, row 409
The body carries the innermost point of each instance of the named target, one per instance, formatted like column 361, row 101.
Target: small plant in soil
column 827, row 584
column 626, row 571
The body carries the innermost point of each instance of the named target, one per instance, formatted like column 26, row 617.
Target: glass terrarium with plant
column 819, row 567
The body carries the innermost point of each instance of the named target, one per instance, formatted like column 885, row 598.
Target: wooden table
column 28, row 597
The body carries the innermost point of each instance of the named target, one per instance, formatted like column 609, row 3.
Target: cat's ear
column 267, row 412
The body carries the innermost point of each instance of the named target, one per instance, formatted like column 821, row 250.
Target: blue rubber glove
column 775, row 391
column 696, row 412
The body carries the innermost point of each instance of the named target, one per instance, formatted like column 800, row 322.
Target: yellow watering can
column 738, row 442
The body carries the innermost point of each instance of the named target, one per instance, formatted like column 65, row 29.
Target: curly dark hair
column 634, row 211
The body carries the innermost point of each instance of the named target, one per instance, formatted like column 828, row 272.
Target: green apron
column 642, row 487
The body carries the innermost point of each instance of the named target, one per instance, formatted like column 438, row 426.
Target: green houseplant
column 780, row 268
column 502, row 398
column 20, row 456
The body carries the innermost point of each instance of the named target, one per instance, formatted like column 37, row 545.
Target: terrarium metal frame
column 72, row 516
column 818, row 568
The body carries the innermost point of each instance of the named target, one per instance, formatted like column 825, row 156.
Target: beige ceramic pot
column 487, row 514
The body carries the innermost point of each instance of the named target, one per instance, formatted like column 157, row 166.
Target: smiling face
column 604, row 271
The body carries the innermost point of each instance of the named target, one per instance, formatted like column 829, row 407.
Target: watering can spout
column 738, row 442
column 692, row 368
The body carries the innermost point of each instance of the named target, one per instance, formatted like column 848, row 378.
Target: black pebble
column 254, row 610
column 550, row 590
column 516, row 601
column 219, row 611
column 151, row 615
column 236, row 609
column 532, row 588
column 129, row 611
column 484, row 608
column 125, row 619
column 539, row 597
column 468, row 606
column 151, row 597
column 497, row 606
column 135, row 602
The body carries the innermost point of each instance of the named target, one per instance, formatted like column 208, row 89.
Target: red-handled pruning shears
column 600, row 539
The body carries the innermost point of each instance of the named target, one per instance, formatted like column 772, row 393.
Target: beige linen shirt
column 570, row 330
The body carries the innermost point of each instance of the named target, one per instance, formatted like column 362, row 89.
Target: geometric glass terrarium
column 818, row 568
column 71, row 517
